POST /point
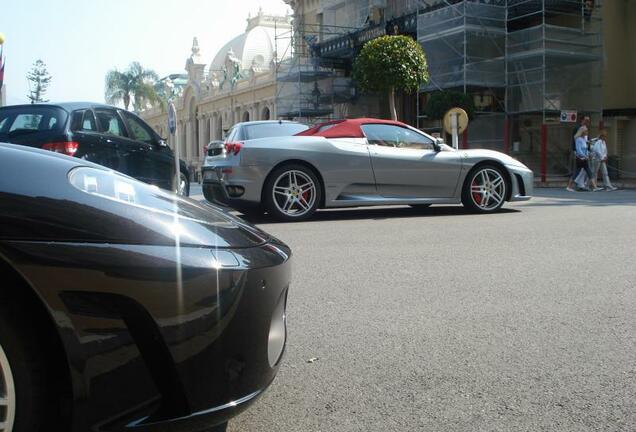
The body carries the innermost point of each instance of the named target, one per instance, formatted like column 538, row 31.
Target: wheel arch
column 17, row 288
column 309, row 165
column 499, row 165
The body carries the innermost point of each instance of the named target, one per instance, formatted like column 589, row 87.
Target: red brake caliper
column 476, row 195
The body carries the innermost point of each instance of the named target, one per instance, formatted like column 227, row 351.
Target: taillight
column 68, row 148
column 233, row 147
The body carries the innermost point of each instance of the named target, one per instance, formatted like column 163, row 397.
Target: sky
column 81, row 40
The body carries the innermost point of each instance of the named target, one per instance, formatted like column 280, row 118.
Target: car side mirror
column 163, row 142
column 438, row 144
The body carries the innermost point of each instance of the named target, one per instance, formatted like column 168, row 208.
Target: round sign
column 172, row 118
column 462, row 120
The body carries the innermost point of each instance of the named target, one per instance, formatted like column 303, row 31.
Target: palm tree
column 136, row 83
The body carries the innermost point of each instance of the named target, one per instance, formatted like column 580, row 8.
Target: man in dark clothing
column 585, row 121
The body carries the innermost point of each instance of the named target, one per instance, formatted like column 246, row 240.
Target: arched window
column 265, row 114
column 246, row 116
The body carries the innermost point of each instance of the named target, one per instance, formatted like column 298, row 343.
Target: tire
column 419, row 206
column 485, row 189
column 22, row 363
column 292, row 193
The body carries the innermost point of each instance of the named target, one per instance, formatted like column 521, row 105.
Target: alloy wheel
column 488, row 189
column 294, row 193
column 7, row 394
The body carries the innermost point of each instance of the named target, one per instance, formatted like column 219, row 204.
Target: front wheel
column 25, row 397
column 292, row 193
column 485, row 189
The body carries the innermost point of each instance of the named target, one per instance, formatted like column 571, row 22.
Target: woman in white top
column 599, row 159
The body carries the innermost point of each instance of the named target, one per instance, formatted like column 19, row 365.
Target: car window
column 230, row 135
column 138, row 129
column 396, row 136
column 327, row 127
column 266, row 130
column 27, row 119
column 110, row 123
column 83, row 120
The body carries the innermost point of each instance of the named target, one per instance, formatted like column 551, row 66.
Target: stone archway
column 246, row 116
column 265, row 114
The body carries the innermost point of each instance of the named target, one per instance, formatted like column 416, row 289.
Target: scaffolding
column 554, row 61
column 465, row 42
column 521, row 61
column 314, row 80
column 310, row 84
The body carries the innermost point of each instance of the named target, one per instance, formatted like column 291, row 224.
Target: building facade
column 238, row 84
column 523, row 62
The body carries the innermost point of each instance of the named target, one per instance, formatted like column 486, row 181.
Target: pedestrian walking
column 599, row 159
column 585, row 122
column 582, row 162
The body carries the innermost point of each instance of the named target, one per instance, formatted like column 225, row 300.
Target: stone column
column 188, row 140
column 203, row 137
column 212, row 125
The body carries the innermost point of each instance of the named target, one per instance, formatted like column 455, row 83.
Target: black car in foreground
column 124, row 307
column 106, row 135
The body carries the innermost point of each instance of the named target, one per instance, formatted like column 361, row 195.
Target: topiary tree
column 391, row 63
column 440, row 102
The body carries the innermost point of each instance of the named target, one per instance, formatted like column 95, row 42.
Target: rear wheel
column 24, row 400
column 292, row 193
column 485, row 189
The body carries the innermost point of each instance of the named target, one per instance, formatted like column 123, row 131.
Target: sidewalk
column 554, row 182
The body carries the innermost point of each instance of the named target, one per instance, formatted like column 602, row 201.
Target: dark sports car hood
column 45, row 196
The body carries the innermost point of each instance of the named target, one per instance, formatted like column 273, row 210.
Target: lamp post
column 172, row 127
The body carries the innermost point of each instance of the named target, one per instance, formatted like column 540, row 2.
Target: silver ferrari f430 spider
column 361, row 162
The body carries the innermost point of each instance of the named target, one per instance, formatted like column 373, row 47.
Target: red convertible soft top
column 349, row 128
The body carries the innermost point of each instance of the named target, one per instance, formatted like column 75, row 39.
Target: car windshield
column 266, row 130
column 19, row 120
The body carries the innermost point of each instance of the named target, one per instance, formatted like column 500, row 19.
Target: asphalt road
column 438, row 320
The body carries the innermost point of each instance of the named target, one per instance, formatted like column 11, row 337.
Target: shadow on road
column 379, row 213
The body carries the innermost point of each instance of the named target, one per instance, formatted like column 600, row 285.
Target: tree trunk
column 392, row 103
column 126, row 101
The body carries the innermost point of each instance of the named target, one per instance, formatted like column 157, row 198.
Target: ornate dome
column 255, row 47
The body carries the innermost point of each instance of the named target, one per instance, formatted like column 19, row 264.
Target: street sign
column 568, row 116
column 172, row 118
column 455, row 122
